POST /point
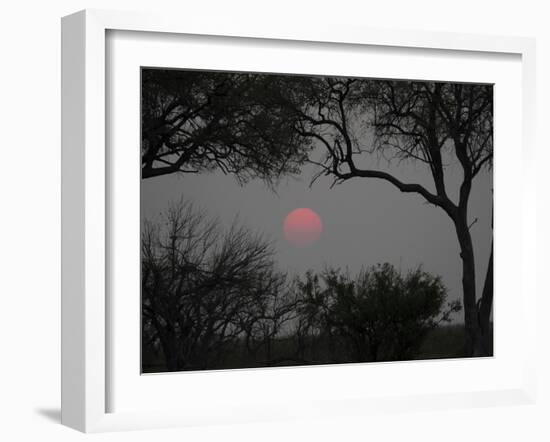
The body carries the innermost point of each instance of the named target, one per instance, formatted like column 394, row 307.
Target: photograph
column 299, row 220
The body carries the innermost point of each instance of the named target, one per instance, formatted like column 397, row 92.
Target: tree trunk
column 485, row 308
column 473, row 344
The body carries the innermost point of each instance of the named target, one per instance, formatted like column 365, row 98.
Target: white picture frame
column 86, row 206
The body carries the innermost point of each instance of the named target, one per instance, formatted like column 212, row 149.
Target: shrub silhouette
column 378, row 315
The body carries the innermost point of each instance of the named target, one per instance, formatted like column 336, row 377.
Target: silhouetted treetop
column 199, row 121
column 203, row 286
column 380, row 314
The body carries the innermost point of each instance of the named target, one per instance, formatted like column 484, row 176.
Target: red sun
column 302, row 227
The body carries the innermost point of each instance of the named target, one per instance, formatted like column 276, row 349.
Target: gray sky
column 365, row 221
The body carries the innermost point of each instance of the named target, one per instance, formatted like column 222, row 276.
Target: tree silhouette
column 266, row 319
column 201, row 287
column 378, row 315
column 194, row 121
column 427, row 122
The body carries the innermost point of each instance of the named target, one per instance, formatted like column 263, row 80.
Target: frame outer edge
column 73, row 363
column 531, row 152
column 94, row 210
column 83, row 344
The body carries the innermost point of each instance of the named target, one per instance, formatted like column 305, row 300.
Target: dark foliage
column 202, row 288
column 196, row 121
column 379, row 315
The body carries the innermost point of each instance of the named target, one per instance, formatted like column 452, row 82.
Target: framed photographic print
column 250, row 213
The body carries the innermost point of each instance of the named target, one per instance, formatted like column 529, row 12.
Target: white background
column 30, row 221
